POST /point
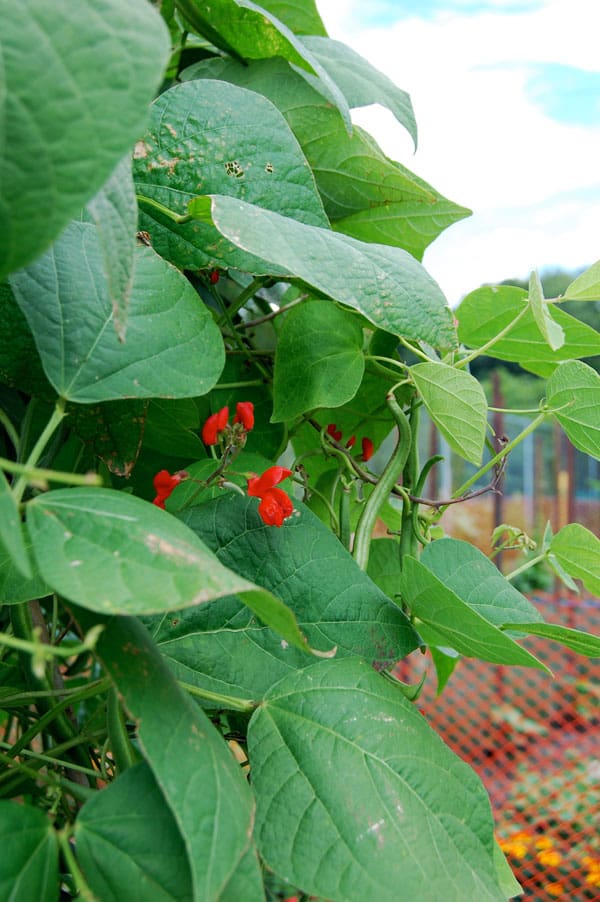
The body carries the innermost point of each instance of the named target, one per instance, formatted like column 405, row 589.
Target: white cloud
column 482, row 141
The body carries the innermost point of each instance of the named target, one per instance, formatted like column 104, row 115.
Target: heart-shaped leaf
column 574, row 390
column 29, row 860
column 173, row 347
column 577, row 550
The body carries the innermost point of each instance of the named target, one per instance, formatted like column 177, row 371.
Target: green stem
column 242, row 299
column 464, row 361
column 498, row 457
column 10, row 430
column 51, row 758
column 43, row 650
column 170, row 214
column 53, row 423
column 414, row 349
column 83, row 890
column 410, row 479
column 39, row 474
column 226, row 701
column 123, row 751
column 526, row 566
column 387, row 480
column 227, row 386
column 345, row 515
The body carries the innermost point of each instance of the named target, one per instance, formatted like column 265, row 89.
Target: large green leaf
column 114, row 553
column 583, row 643
column 353, row 175
column 197, row 774
column 409, row 224
column 361, row 83
column 173, row 347
column 254, row 33
column 554, row 334
column 214, row 137
column 100, row 64
column 20, row 365
column 11, row 535
column 114, row 212
column 29, row 860
column 388, row 286
column 127, row 837
column 586, row 287
column 300, row 16
column 113, row 431
column 575, row 387
column 485, row 312
column 319, row 360
column 358, row 798
column 336, row 603
column 457, row 405
column 452, row 618
column 467, row 572
column 577, row 550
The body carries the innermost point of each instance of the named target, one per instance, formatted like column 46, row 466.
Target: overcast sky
column 507, row 101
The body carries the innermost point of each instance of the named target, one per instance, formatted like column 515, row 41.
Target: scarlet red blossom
column 164, row 483
column 275, row 505
column 334, row 432
column 351, row 442
column 367, row 449
column 244, row 414
column 213, row 276
column 214, row 425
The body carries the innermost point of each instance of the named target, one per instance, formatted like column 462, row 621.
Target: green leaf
column 254, row 33
column 385, row 284
column 575, row 387
column 356, row 793
column 214, row 137
column 586, row 287
column 554, row 334
column 457, row 622
column 11, row 535
column 29, row 860
column 14, row 588
column 335, row 602
column 578, row 552
column 318, row 361
column 114, row 212
column 467, row 572
column 113, row 431
column 113, row 553
column 300, row 16
column 127, row 836
column 457, row 405
column 202, row 783
column 488, row 310
column 20, row 365
column 355, row 178
column 173, row 347
column 408, row 224
column 100, row 65
column 583, row 643
column 361, row 83
column 171, row 428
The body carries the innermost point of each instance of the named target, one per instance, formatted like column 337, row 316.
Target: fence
column 534, row 741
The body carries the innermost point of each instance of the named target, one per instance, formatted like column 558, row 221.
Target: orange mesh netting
column 534, row 741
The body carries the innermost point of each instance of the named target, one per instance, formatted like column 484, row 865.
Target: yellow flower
column 544, row 842
column 549, row 858
column 555, row 889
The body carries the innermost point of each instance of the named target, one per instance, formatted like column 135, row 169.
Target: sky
column 507, row 100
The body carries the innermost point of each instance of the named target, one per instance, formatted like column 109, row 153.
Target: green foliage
column 201, row 425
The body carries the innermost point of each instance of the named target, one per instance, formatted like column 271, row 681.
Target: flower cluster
column 218, row 422
column 366, row 443
column 164, row 483
column 275, row 505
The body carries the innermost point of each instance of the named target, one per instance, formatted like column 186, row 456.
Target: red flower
column 275, row 505
column 351, row 442
column 214, row 425
column 244, row 414
column 334, row 432
column 367, row 449
column 164, row 484
column 258, row 485
column 213, row 276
